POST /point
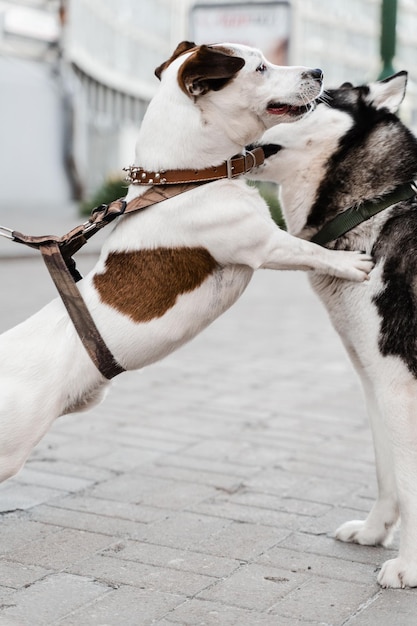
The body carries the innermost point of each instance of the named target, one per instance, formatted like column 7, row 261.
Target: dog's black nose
column 315, row 74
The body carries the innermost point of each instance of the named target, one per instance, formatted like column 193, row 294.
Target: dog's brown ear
column 208, row 68
column 182, row 47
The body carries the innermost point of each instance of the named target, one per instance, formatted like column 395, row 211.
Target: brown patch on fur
column 208, row 68
column 145, row 284
column 182, row 48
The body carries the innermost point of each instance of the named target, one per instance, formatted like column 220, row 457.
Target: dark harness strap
column 80, row 316
column 352, row 217
column 57, row 252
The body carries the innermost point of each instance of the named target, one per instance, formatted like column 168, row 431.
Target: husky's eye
column 261, row 68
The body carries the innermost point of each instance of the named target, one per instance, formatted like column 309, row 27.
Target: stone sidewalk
column 205, row 489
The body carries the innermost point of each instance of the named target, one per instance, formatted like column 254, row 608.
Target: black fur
column 268, row 148
column 397, row 303
column 351, row 167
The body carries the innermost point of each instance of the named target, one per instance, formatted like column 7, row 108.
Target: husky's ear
column 388, row 93
column 208, row 68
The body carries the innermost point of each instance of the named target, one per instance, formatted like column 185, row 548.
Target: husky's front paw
column 352, row 265
column 398, row 574
column 358, row 531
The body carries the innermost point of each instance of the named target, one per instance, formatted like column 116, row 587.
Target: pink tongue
column 279, row 110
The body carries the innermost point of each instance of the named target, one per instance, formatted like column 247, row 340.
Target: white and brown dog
column 166, row 273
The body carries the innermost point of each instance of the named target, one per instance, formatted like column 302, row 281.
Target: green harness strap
column 352, row 217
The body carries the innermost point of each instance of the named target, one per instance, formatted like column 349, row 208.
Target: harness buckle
column 87, row 226
column 6, row 232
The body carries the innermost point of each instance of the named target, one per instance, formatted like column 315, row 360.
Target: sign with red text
column 264, row 25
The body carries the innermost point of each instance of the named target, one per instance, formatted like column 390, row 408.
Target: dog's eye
column 261, row 68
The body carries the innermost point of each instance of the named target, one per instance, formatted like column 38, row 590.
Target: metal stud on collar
column 139, row 176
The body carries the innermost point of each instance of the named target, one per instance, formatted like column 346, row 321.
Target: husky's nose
column 315, row 74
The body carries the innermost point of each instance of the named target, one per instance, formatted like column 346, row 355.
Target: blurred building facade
column 343, row 38
column 86, row 68
column 32, row 108
column 113, row 47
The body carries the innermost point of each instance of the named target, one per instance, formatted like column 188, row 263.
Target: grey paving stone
column 274, row 480
column 110, row 508
column 318, row 565
column 360, row 501
column 46, row 601
column 199, row 612
column 66, row 468
column 327, row 546
column 18, row 530
column 152, row 577
column 5, row 597
column 61, row 549
column 185, row 530
column 388, row 608
column 15, row 496
column 89, row 522
column 15, row 575
column 242, row 541
column 213, row 535
column 124, row 459
column 182, row 560
column 73, row 449
column 324, row 600
column 328, row 523
column 276, row 502
column 221, row 482
column 53, row 480
column 223, row 507
column 356, row 474
column 234, row 451
column 152, row 491
column 325, row 490
column 254, row 587
column 126, row 606
column 197, row 463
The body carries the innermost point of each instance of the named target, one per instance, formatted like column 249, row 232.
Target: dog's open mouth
column 278, row 108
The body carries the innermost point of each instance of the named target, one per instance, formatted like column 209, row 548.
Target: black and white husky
column 354, row 152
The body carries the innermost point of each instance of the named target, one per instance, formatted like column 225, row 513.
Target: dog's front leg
column 291, row 253
column 399, row 401
column 379, row 526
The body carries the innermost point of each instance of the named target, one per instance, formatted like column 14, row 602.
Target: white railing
column 120, row 42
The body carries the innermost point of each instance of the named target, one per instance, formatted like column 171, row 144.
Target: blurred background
column 76, row 75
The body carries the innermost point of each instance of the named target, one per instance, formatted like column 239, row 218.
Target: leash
column 58, row 252
column 359, row 213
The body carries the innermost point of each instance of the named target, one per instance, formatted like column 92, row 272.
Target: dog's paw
column 362, row 264
column 354, row 266
column 358, row 531
column 398, row 574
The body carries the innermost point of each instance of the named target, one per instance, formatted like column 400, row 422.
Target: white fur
column 45, row 371
column 390, row 389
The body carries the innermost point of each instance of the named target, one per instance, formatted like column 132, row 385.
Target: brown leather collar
column 231, row 168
